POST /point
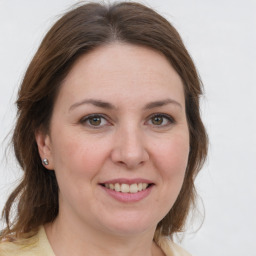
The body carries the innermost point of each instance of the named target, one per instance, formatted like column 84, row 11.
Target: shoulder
column 17, row 248
column 170, row 248
column 37, row 245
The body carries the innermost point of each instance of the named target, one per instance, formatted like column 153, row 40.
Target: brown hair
column 76, row 33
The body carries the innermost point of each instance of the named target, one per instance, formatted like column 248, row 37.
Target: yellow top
column 40, row 246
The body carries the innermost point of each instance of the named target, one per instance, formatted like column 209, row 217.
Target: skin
column 129, row 142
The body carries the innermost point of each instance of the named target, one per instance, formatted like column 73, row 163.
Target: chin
column 126, row 225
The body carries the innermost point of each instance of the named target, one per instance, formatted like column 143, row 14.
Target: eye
column 94, row 121
column 160, row 120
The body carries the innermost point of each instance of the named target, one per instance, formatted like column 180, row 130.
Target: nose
column 129, row 149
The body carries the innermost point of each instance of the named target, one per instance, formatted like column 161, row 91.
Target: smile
column 126, row 188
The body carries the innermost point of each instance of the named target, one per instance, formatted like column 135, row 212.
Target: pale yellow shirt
column 40, row 246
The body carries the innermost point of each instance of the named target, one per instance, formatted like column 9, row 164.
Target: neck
column 66, row 238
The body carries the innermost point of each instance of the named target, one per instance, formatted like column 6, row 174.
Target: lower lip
column 128, row 197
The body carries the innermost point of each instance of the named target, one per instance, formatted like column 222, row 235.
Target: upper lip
column 127, row 181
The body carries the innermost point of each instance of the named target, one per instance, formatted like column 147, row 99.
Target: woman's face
column 119, row 140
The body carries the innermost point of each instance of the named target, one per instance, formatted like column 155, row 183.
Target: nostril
column 129, row 157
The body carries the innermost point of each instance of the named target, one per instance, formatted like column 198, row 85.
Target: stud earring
column 45, row 161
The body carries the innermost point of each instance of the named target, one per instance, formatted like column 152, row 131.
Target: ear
column 44, row 145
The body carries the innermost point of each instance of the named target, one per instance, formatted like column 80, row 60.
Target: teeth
column 133, row 188
column 125, row 188
column 144, row 186
column 117, row 187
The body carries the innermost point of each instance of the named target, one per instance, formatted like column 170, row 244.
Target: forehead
column 122, row 71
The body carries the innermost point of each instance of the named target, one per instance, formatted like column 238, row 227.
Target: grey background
column 221, row 37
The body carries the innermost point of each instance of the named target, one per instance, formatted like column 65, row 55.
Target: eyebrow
column 161, row 103
column 97, row 103
column 107, row 105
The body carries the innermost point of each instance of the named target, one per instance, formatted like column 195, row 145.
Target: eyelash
column 85, row 120
column 170, row 119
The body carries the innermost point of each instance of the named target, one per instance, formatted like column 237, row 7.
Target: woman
column 109, row 137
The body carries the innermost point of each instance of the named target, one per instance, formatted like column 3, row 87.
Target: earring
column 45, row 161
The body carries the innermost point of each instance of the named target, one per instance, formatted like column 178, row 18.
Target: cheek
column 76, row 165
column 172, row 157
column 77, row 157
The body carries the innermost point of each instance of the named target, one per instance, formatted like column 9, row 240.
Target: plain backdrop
column 221, row 37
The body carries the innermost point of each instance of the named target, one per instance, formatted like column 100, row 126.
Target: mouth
column 127, row 188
